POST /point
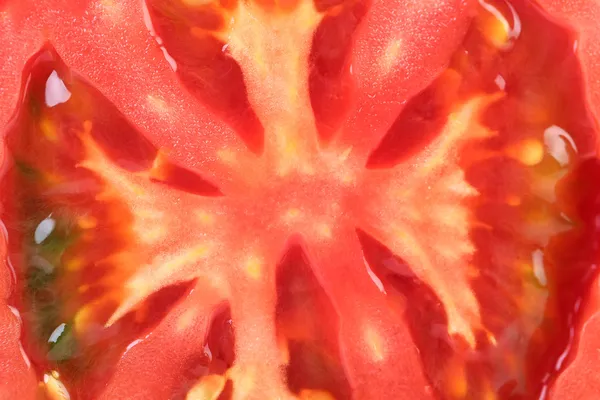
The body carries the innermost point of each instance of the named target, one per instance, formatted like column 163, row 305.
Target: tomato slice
column 454, row 215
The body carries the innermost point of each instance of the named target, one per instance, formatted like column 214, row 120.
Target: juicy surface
column 320, row 245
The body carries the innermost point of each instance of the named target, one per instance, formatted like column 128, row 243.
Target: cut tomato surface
column 298, row 199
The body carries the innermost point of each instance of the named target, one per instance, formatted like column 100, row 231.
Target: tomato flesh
column 468, row 227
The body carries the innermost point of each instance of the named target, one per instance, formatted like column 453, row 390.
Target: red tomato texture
column 299, row 199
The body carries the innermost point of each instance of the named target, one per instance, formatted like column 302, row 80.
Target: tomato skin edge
column 580, row 378
column 581, row 17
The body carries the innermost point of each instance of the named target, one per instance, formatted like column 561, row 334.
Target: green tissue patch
column 43, row 270
column 65, row 348
column 26, row 170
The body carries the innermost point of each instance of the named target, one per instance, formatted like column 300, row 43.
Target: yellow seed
column 254, row 268
column 209, row 388
column 82, row 317
column 49, row 130
column 87, row 222
column 290, row 147
column 55, row 389
column 497, row 34
column 494, row 26
column 74, row 264
column 529, row 152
